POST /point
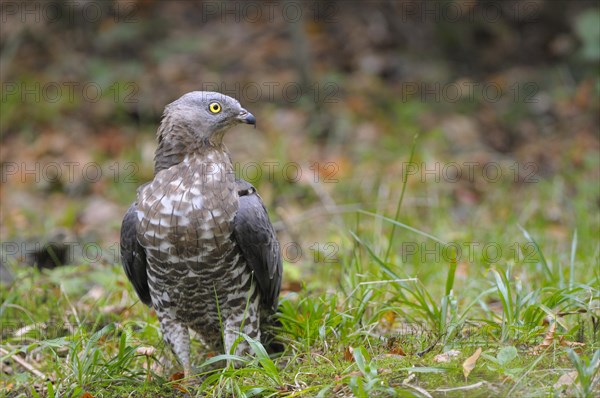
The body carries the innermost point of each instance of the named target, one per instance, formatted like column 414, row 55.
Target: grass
column 377, row 334
column 377, row 301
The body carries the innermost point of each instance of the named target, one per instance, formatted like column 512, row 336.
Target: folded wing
column 133, row 256
column 256, row 237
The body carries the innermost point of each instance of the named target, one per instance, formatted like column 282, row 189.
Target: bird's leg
column 177, row 336
column 249, row 325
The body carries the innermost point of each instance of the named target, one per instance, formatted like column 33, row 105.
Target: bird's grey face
column 207, row 115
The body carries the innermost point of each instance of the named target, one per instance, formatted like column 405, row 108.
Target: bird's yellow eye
column 215, row 107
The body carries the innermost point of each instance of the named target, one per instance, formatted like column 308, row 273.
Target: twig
column 24, row 364
column 428, row 349
column 469, row 387
column 419, row 389
column 389, row 281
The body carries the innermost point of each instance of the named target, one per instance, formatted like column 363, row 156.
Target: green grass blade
column 572, row 262
column 546, row 267
column 404, row 181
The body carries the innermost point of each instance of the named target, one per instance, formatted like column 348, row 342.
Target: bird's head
column 206, row 115
column 197, row 119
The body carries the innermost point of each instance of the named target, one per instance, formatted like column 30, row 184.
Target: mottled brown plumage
column 198, row 245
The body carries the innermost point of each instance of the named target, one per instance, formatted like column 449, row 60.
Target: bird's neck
column 208, row 155
column 171, row 155
column 175, row 144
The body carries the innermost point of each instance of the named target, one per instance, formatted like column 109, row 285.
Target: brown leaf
column 211, row 354
column 573, row 344
column 87, row 395
column 177, row 386
column 548, row 339
column 397, row 350
column 395, row 347
column 348, row 354
column 181, row 388
column 469, row 363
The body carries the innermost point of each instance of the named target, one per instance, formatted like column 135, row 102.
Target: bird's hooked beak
column 247, row 117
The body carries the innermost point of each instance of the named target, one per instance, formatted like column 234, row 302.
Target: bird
column 197, row 244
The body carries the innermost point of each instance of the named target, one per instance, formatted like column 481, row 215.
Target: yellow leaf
column 469, row 363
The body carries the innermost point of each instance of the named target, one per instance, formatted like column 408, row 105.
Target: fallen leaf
column 87, row 395
column 397, row 350
column 177, row 386
column 572, row 344
column 349, row 354
column 469, row 363
column 395, row 347
column 566, row 380
column 181, row 388
column 548, row 339
column 211, row 354
column 446, row 356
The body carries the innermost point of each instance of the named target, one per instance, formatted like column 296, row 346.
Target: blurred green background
column 339, row 90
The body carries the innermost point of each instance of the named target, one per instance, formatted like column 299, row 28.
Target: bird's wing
column 255, row 234
column 133, row 256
